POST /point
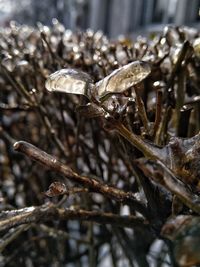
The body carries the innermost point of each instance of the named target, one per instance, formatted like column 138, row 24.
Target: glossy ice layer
column 69, row 81
column 123, row 78
column 196, row 46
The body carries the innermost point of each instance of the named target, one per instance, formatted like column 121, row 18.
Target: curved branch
column 92, row 184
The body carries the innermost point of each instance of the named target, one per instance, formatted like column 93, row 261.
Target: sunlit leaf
column 56, row 189
column 123, row 78
column 69, row 81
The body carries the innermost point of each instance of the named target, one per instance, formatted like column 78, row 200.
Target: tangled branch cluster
column 137, row 151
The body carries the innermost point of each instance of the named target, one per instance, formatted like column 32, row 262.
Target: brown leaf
column 56, row 189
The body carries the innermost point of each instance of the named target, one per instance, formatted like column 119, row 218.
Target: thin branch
column 51, row 212
column 141, row 109
column 94, row 185
column 16, row 108
column 55, row 233
column 158, row 111
column 175, row 186
column 150, row 151
column 177, row 66
column 10, row 237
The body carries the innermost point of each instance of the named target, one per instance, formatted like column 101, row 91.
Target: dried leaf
column 56, row 189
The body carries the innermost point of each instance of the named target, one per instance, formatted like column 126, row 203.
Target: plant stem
column 150, row 151
column 51, row 212
column 92, row 184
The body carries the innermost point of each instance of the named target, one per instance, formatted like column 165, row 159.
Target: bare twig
column 10, row 237
column 15, row 108
column 141, row 109
column 62, row 234
column 51, row 212
column 179, row 189
column 94, row 185
column 150, row 151
column 158, row 111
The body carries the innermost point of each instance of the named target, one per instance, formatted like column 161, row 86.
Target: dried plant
column 109, row 138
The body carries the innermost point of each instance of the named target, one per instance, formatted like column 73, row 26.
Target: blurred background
column 114, row 17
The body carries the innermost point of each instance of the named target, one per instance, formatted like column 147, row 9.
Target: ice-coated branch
column 92, row 184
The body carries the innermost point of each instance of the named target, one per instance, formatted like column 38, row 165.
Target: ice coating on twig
column 69, row 81
column 78, row 82
column 123, row 78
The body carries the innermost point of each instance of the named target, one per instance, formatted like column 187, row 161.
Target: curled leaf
column 123, row 78
column 69, row 81
column 56, row 189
